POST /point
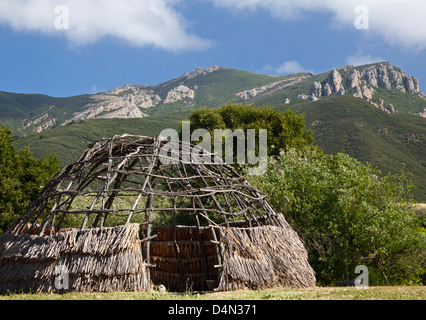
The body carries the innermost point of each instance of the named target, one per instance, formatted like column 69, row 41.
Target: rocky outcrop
column 396, row 78
column 361, row 82
column 40, row 122
column 200, row 71
column 39, row 119
column 273, row 87
column 335, row 81
column 380, row 104
column 416, row 84
column 370, row 76
column 127, row 102
column 126, row 88
column 140, row 95
column 403, row 82
column 197, row 72
column 367, row 93
column 333, row 84
column 326, row 90
column 383, row 78
column 251, row 93
column 411, row 84
column 146, row 101
column 316, row 89
column 127, row 111
column 390, row 108
column 179, row 93
column 45, row 125
column 422, row 113
column 117, row 104
column 365, row 82
column 384, row 75
column 353, row 79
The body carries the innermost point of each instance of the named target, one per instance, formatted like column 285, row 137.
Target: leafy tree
column 285, row 129
column 348, row 215
column 21, row 178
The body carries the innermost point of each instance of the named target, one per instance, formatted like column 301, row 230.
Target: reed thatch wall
column 240, row 257
column 182, row 258
column 107, row 259
column 180, row 254
column 262, row 257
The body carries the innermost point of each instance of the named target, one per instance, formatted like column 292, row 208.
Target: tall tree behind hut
column 285, row 130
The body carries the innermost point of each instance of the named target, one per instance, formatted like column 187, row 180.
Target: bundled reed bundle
column 183, row 257
column 264, row 256
column 252, row 257
column 95, row 260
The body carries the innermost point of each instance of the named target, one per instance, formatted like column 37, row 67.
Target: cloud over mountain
column 155, row 23
column 160, row 23
column 287, row 67
column 398, row 22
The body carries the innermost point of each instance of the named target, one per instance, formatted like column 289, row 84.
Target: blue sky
column 101, row 44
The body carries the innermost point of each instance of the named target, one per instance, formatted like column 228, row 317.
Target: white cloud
column 361, row 59
column 140, row 23
column 398, row 22
column 287, row 67
column 290, row 67
column 94, row 89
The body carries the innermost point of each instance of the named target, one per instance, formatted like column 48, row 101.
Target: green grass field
column 317, row 293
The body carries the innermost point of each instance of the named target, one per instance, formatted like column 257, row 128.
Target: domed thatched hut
column 123, row 218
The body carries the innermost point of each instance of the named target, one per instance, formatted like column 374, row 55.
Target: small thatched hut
column 122, row 218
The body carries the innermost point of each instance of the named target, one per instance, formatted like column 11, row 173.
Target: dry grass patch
column 316, row 293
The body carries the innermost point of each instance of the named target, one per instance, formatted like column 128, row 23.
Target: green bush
column 21, row 178
column 347, row 215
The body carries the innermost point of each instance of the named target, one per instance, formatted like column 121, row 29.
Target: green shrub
column 347, row 215
column 21, row 178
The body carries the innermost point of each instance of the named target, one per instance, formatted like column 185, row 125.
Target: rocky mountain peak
column 200, row 71
column 335, row 81
column 333, row 84
column 364, row 82
column 384, row 75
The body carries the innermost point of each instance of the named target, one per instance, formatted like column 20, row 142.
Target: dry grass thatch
column 232, row 238
column 249, row 257
column 96, row 260
column 262, row 257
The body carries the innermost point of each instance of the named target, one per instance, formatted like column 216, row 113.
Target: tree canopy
column 286, row 130
column 21, row 178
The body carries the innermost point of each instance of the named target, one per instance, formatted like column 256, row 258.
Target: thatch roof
column 104, row 217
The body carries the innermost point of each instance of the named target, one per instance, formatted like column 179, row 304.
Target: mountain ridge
column 376, row 113
column 209, row 87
